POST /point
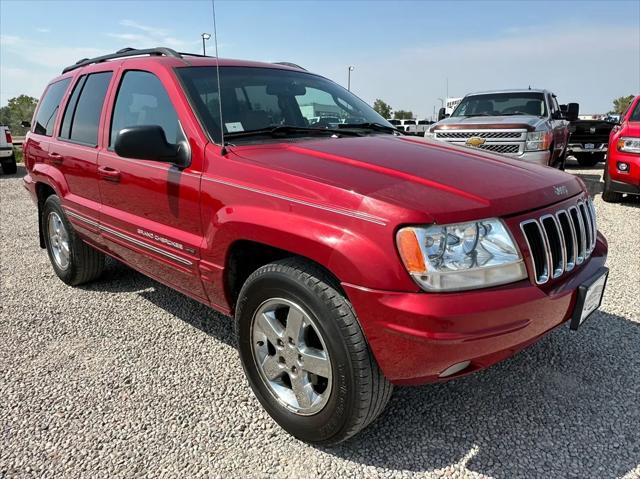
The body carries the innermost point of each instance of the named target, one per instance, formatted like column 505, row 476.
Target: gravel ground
column 127, row 378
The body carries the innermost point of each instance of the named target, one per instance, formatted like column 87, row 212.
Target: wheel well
column 246, row 256
column 43, row 191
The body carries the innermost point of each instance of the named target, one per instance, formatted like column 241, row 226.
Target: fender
column 345, row 250
column 52, row 177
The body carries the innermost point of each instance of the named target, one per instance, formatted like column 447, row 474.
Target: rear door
column 75, row 150
column 150, row 209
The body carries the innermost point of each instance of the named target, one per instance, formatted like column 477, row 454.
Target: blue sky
column 402, row 51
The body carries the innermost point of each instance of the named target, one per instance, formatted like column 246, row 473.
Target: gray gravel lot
column 127, row 378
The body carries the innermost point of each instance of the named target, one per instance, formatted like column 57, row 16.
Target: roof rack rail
column 125, row 52
column 289, row 64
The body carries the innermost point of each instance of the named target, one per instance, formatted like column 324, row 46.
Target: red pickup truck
column 352, row 257
column 622, row 173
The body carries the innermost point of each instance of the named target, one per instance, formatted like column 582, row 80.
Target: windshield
column 501, row 104
column 635, row 114
column 262, row 98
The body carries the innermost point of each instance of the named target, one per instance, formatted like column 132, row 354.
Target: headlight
column 538, row 140
column 460, row 256
column 429, row 135
column 629, row 144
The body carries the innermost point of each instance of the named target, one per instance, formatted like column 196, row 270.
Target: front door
column 150, row 209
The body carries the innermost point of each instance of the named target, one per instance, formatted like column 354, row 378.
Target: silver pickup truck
column 525, row 124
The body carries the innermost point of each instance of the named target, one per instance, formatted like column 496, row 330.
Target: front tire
column 9, row 166
column 305, row 355
column 73, row 260
column 608, row 195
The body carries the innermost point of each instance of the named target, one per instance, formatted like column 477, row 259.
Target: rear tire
column 9, row 166
column 355, row 391
column 589, row 160
column 73, row 260
column 608, row 195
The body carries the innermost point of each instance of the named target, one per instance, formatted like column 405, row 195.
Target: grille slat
column 561, row 241
column 501, row 147
column 480, row 134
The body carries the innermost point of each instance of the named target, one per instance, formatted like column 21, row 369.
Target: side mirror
column 442, row 114
column 148, row 142
column 25, row 124
column 572, row 111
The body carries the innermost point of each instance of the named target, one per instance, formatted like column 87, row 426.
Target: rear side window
column 82, row 115
column 142, row 100
column 48, row 108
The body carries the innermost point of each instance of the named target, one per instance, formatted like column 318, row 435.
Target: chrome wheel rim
column 291, row 356
column 58, row 240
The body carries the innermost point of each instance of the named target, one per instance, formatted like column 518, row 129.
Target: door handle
column 109, row 174
column 55, row 158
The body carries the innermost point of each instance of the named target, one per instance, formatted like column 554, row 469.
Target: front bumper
column 417, row 336
column 624, row 181
column 600, row 148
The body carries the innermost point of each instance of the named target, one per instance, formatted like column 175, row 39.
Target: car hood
column 632, row 128
column 446, row 182
column 527, row 122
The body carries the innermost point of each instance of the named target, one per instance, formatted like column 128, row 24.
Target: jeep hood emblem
column 561, row 190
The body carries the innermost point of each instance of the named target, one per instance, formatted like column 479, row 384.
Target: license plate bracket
column 589, row 298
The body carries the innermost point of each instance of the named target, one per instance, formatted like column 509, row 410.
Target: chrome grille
column 501, row 147
column 480, row 134
column 560, row 241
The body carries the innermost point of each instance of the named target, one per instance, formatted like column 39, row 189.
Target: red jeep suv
column 352, row 257
column 622, row 173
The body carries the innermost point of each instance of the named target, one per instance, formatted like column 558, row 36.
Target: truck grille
column 559, row 242
column 481, row 134
column 501, row 147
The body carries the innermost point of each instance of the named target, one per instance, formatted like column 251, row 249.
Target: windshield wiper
column 280, row 130
column 369, row 126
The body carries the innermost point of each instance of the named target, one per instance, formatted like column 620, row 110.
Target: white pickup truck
column 7, row 155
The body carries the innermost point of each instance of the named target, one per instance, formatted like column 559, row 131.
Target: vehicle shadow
column 20, row 172
column 118, row 278
column 548, row 412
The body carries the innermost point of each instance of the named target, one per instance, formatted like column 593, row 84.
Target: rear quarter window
column 82, row 115
column 46, row 115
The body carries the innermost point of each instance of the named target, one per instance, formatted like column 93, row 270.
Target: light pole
column 205, row 36
column 349, row 70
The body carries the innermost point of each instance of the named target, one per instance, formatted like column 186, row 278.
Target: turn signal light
column 410, row 251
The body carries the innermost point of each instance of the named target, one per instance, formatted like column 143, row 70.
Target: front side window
column 82, row 116
column 502, row 104
column 143, row 100
column 45, row 118
column 262, row 98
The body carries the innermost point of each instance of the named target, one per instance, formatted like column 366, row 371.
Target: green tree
column 621, row 104
column 18, row 109
column 403, row 115
column 383, row 108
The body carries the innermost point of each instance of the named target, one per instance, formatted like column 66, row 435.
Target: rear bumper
column 417, row 336
column 6, row 151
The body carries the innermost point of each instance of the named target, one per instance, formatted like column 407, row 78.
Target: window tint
column 142, row 100
column 49, row 107
column 82, row 115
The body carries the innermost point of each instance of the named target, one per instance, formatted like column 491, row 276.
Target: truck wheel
column 9, row 166
column 589, row 160
column 305, row 355
column 608, row 195
column 73, row 260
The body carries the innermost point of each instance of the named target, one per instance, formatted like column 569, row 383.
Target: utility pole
column 349, row 70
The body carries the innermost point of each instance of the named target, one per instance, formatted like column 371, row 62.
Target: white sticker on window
column 233, row 127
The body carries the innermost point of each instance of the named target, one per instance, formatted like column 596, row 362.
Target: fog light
column 456, row 368
column 622, row 166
